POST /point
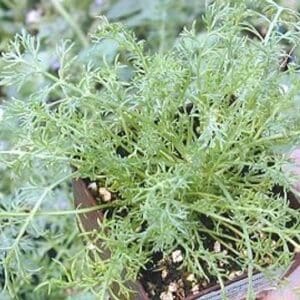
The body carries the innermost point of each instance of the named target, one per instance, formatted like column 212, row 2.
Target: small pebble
column 166, row 296
column 173, row 287
column 195, row 289
column 105, row 194
column 164, row 273
column 177, row 256
column 91, row 246
column 217, row 247
column 267, row 260
column 238, row 273
column 92, row 186
column 33, row 16
column 232, row 275
column 262, row 235
column 180, row 283
column 191, row 277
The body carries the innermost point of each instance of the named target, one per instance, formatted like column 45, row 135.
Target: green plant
column 52, row 20
column 187, row 138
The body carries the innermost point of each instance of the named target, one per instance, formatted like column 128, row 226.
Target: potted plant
column 180, row 153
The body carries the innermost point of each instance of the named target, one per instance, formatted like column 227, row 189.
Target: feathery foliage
column 188, row 138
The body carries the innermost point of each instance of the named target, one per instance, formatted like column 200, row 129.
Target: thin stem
column 57, row 80
column 271, row 229
column 250, row 263
column 273, row 23
column 273, row 137
column 221, row 241
column 57, row 213
column 222, row 285
column 36, row 155
column 81, row 36
column 34, row 211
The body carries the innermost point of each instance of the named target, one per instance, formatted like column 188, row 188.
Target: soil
column 165, row 277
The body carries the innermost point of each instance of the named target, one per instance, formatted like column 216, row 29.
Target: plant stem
column 55, row 213
column 273, row 23
column 36, row 155
column 34, row 211
column 81, row 36
column 250, row 263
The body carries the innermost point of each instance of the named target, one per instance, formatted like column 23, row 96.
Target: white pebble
column 91, row 246
column 105, row 194
column 191, row 277
column 232, row 275
column 217, row 247
column 172, row 287
column 166, row 296
column 164, row 274
column 177, row 256
column 92, row 186
column 195, row 289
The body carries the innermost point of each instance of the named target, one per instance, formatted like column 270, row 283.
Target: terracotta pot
column 264, row 288
column 90, row 222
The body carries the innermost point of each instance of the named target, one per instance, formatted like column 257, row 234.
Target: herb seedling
column 189, row 140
